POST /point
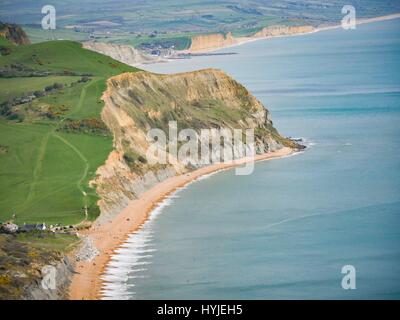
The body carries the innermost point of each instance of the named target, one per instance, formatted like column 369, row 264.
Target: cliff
column 137, row 102
column 64, row 271
column 210, row 42
column 276, row 31
column 123, row 53
column 23, row 259
column 14, row 33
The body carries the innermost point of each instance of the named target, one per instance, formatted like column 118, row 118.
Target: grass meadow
column 44, row 171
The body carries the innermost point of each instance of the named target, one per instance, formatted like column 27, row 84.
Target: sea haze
column 286, row 231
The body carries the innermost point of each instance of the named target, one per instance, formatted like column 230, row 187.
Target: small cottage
column 33, row 227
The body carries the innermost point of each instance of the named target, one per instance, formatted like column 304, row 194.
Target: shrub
column 16, row 117
column 134, row 160
column 58, row 86
column 94, row 126
column 4, row 149
column 5, row 108
column 5, row 51
column 84, row 79
column 142, row 159
column 129, row 159
column 38, row 94
column 5, row 279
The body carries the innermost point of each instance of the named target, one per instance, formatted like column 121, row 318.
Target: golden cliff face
column 276, row 31
column 211, row 42
column 138, row 102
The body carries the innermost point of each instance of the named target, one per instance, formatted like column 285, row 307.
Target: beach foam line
column 90, row 278
column 123, row 265
column 128, row 257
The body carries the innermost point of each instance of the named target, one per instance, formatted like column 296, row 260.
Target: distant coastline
column 233, row 42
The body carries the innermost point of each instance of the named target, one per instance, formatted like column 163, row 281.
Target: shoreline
column 249, row 39
column 86, row 283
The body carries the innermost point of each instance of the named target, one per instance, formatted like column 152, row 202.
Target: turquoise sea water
column 285, row 231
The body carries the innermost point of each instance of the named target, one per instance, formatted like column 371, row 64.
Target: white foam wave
column 128, row 261
column 305, row 141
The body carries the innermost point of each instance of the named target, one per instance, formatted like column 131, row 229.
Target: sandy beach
column 87, row 283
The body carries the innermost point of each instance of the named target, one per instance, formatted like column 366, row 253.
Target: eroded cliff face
column 25, row 267
column 138, row 102
column 275, row 31
column 64, row 272
column 14, row 33
column 210, row 42
column 123, row 53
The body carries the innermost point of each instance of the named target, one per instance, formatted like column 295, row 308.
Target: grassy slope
column 44, row 174
column 6, row 43
column 15, row 87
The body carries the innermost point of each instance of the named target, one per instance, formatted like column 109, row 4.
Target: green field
column 59, row 242
column 15, row 87
column 45, row 169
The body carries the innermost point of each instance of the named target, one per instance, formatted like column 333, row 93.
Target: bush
column 84, row 79
column 5, row 51
column 38, row 94
column 58, row 86
column 129, row 159
column 133, row 160
column 142, row 159
column 16, row 117
column 5, row 108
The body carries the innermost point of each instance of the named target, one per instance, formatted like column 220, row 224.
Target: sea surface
column 286, row 231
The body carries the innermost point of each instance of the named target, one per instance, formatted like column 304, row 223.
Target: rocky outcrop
column 122, row 53
column 63, row 275
column 138, row 102
column 87, row 251
column 30, row 271
column 14, row 33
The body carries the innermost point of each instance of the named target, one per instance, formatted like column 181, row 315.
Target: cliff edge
column 138, row 102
